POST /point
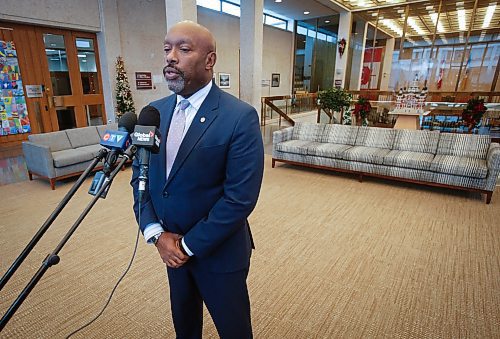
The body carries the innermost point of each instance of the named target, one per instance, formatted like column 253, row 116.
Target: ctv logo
column 112, row 137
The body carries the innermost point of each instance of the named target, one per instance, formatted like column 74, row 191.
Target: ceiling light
column 415, row 26
column 392, row 26
column 429, row 7
column 82, row 56
column 489, row 14
column 434, row 18
column 374, row 14
column 327, row 21
column 461, row 3
column 401, row 11
column 461, row 19
column 306, row 12
column 277, row 0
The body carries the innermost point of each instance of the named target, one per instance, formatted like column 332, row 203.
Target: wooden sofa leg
column 488, row 197
column 30, row 175
column 360, row 178
column 274, row 163
column 52, row 183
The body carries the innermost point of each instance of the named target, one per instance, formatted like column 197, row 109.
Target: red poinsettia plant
column 473, row 112
column 362, row 108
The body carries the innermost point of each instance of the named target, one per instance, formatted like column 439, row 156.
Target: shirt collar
column 197, row 98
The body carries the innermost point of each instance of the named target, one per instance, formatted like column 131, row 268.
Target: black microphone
column 147, row 139
column 117, row 141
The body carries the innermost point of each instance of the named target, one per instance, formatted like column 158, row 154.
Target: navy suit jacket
column 214, row 182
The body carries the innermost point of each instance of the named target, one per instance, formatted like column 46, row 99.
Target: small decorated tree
column 362, row 108
column 124, row 101
column 473, row 113
column 335, row 100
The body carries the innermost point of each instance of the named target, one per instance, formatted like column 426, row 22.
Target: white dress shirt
column 195, row 101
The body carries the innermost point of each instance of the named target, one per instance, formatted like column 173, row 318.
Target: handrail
column 269, row 102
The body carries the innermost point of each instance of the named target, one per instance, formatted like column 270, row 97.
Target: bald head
column 189, row 57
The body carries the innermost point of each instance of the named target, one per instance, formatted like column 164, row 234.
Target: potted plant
column 362, row 108
column 334, row 100
column 473, row 113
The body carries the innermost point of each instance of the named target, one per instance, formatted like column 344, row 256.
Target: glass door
column 73, row 85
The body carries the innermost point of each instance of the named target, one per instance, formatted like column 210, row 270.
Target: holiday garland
column 124, row 101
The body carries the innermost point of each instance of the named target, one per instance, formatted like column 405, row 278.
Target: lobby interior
column 334, row 257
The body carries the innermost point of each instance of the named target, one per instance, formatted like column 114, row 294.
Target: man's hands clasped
column 168, row 246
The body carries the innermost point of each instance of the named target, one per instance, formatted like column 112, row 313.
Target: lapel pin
column 202, row 119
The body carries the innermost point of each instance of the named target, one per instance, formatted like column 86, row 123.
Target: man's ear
column 210, row 61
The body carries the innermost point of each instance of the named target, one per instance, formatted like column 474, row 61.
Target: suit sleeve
column 244, row 171
column 148, row 214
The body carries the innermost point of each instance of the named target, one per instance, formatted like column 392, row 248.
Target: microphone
column 147, row 139
column 117, row 141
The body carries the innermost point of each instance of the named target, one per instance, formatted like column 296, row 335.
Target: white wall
column 277, row 51
column 74, row 14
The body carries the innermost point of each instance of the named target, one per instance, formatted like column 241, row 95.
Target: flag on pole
column 466, row 75
column 441, row 73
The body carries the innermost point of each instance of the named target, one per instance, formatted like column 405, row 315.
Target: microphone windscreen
column 128, row 121
column 149, row 116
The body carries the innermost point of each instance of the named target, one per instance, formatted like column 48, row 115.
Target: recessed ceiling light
column 277, row 0
column 489, row 14
column 374, row 14
column 401, row 10
column 461, row 19
column 327, row 21
column 429, row 7
column 461, row 3
column 306, row 12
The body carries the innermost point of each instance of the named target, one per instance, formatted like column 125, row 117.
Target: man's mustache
column 170, row 67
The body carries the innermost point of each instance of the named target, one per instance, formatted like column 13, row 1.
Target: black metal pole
column 53, row 258
column 102, row 153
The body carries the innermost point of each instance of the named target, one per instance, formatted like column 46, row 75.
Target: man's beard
column 178, row 84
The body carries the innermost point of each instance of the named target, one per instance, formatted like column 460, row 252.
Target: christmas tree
column 124, row 101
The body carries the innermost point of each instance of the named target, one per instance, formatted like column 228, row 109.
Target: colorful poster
column 13, row 111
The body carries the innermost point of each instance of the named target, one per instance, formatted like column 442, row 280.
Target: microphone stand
column 101, row 155
column 53, row 258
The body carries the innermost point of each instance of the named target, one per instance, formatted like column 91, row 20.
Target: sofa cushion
column 464, row 145
column 407, row 159
column 326, row 150
column 93, row 149
column 340, row 134
column 83, row 136
column 70, row 156
column 372, row 155
column 57, row 141
column 294, row 146
column 307, row 131
column 464, row 166
column 375, row 137
column 416, row 141
column 101, row 129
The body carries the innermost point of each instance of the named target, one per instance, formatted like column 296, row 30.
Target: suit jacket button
column 165, row 194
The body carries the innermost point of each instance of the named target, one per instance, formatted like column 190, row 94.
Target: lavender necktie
column 175, row 133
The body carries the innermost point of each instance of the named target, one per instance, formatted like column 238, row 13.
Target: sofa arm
column 493, row 163
column 39, row 159
column 282, row 135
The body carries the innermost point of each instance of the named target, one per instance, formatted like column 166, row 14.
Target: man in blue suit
column 203, row 185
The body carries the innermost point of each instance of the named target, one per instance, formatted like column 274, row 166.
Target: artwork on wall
column 13, row 112
column 224, row 80
column 275, row 80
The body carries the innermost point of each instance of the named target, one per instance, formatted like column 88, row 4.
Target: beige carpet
column 335, row 258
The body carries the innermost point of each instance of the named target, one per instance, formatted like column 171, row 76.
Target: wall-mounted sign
column 34, row 91
column 143, row 80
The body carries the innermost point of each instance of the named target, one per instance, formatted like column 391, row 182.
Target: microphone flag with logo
column 119, row 140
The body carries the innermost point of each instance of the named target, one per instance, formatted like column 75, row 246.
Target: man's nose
column 171, row 57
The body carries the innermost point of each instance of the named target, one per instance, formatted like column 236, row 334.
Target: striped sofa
column 462, row 161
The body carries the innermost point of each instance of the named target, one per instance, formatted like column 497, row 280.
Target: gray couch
column 58, row 155
column 461, row 161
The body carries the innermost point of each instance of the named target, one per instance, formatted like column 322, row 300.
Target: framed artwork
column 275, row 80
column 224, row 80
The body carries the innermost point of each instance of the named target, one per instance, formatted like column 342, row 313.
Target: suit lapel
column 202, row 120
